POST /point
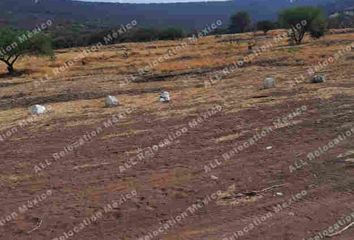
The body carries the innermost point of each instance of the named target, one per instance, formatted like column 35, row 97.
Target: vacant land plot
column 224, row 155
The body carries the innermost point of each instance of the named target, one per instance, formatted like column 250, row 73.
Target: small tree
column 15, row 43
column 265, row 26
column 239, row 22
column 301, row 20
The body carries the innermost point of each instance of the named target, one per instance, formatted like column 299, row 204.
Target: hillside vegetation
column 93, row 16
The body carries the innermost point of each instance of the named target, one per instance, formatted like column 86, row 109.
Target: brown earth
column 89, row 177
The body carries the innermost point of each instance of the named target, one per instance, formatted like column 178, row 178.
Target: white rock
column 350, row 160
column 269, row 83
column 111, row 101
column 346, row 154
column 269, row 147
column 165, row 96
column 318, row 79
column 279, row 194
column 38, row 109
column 214, row 177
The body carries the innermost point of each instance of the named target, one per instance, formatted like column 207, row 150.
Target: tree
column 265, row 26
column 301, row 20
column 16, row 43
column 239, row 22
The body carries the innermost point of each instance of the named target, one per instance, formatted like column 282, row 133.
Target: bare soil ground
column 89, row 177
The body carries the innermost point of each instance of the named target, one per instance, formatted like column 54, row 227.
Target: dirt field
column 69, row 164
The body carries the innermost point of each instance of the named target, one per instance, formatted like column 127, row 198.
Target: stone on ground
column 165, row 96
column 318, row 79
column 111, row 101
column 214, row 177
column 269, row 83
column 38, row 109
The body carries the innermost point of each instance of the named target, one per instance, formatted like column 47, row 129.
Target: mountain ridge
column 26, row 13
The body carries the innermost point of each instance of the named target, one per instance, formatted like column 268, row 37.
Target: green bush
column 16, row 43
column 301, row 20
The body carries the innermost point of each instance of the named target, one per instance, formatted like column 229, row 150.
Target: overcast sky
column 152, row 1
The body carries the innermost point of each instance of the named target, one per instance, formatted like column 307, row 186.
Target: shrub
column 301, row 20
column 16, row 43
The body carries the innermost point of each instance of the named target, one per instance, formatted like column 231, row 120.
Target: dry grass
column 104, row 70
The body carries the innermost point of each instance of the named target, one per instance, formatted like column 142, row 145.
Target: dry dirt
column 89, row 177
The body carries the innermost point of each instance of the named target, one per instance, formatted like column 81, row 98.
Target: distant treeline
column 75, row 37
column 191, row 15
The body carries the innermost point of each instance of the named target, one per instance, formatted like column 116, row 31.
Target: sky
column 152, row 1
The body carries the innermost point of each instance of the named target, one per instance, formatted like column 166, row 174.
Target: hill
column 27, row 13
